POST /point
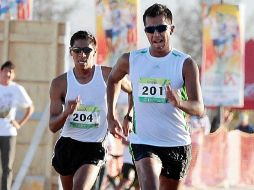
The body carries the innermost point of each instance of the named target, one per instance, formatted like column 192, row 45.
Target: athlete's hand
column 115, row 128
column 72, row 106
column 172, row 96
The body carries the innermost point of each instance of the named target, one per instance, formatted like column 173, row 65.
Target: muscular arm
column 130, row 103
column 106, row 73
column 127, row 126
column 126, row 87
column 194, row 105
column 125, row 83
column 57, row 93
column 115, row 80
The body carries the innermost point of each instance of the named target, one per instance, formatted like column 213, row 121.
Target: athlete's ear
column 172, row 28
column 70, row 51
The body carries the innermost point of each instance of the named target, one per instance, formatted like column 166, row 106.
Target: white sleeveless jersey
column 88, row 123
column 157, row 122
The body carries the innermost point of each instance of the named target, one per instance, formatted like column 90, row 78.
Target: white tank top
column 88, row 123
column 157, row 122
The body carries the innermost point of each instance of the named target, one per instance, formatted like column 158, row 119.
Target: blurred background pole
column 220, row 108
column 221, row 114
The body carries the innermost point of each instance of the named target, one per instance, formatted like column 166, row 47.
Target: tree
column 53, row 9
column 190, row 30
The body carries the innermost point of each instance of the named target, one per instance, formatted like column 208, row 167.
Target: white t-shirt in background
column 12, row 97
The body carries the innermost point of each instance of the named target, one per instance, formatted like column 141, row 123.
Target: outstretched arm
column 115, row 80
column 57, row 116
column 194, row 105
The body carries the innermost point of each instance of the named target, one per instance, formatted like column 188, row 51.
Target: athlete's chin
column 159, row 48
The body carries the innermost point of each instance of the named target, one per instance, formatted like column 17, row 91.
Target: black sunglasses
column 160, row 28
column 78, row 50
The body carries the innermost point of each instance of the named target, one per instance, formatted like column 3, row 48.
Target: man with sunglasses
column 78, row 108
column 165, row 86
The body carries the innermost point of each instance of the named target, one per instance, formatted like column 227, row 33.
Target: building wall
column 38, row 49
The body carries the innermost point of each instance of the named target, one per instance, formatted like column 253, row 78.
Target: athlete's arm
column 127, row 124
column 125, row 83
column 194, row 105
column 126, row 86
column 118, row 72
column 57, row 94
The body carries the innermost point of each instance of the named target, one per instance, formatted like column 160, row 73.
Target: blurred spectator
column 199, row 126
column 114, row 163
column 244, row 125
column 247, row 156
column 13, row 97
column 217, row 121
column 115, row 148
column 128, row 177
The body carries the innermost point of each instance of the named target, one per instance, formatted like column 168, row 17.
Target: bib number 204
column 82, row 117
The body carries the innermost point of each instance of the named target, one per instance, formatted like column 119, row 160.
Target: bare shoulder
column 122, row 64
column 124, row 58
column 189, row 67
column 59, row 80
column 59, row 84
column 189, row 63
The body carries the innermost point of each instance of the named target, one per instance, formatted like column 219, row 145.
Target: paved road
column 221, row 188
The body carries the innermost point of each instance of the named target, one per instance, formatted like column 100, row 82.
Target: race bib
column 152, row 90
column 85, row 117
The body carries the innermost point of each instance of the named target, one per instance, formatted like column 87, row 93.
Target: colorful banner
column 24, row 9
column 8, row 7
column 116, row 29
column 16, row 9
column 223, row 60
column 249, row 76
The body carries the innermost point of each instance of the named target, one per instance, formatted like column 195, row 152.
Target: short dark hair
column 7, row 64
column 83, row 35
column 156, row 10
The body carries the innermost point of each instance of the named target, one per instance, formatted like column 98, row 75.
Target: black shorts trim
column 69, row 155
column 175, row 160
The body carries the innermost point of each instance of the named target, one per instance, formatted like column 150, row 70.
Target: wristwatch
column 128, row 117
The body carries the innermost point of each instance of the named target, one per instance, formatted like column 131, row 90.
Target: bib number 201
column 152, row 90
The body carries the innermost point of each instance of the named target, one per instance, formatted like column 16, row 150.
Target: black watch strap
column 129, row 118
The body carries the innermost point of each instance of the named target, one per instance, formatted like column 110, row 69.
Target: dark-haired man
column 78, row 107
column 165, row 86
column 13, row 96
